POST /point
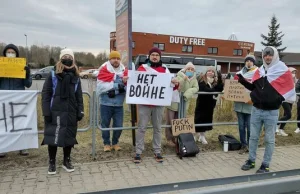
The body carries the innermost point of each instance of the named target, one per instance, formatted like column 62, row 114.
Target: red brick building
column 228, row 53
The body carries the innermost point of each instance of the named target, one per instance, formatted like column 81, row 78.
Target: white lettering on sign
column 186, row 40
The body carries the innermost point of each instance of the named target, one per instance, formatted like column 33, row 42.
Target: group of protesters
column 270, row 86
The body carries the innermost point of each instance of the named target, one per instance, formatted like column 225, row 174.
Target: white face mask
column 11, row 55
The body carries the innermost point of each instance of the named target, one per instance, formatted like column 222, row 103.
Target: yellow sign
column 12, row 67
column 185, row 125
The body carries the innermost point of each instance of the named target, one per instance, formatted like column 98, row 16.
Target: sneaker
column 107, row 148
column 277, row 130
column 67, row 165
column 282, row 133
column 244, row 150
column 263, row 169
column 248, row 165
column 297, row 130
column 2, row 155
column 116, row 147
column 52, row 167
column 196, row 137
column 158, row 158
column 170, row 143
column 137, row 159
column 24, row 153
column 202, row 140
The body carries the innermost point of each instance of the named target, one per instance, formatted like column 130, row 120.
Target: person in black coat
column 211, row 81
column 62, row 106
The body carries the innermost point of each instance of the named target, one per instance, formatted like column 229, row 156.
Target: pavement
column 118, row 174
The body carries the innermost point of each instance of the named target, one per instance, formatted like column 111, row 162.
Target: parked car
column 95, row 74
column 87, row 73
column 42, row 73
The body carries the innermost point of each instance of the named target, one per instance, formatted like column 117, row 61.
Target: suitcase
column 233, row 143
column 186, row 145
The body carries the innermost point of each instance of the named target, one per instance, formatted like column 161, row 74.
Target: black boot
column 67, row 165
column 52, row 167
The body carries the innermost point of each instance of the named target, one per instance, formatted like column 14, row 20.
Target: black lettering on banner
column 153, row 76
column 161, row 92
column 154, row 92
column 146, row 79
column 146, row 90
column 4, row 117
column 131, row 91
column 138, row 91
column 140, row 78
column 13, row 117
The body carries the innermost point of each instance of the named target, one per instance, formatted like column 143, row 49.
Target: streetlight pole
column 26, row 49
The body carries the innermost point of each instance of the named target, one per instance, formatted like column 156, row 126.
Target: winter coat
column 187, row 87
column 205, row 105
column 64, row 111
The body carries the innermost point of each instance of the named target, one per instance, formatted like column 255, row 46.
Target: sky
column 84, row 25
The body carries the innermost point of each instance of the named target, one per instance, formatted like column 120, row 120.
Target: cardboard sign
column 12, row 67
column 234, row 91
column 185, row 125
column 18, row 120
column 149, row 88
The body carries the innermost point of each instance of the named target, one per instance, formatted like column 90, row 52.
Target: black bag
column 233, row 143
column 186, row 145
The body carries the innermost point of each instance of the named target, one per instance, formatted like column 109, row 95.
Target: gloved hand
column 111, row 93
column 121, row 88
column 48, row 119
column 27, row 69
column 241, row 78
column 80, row 116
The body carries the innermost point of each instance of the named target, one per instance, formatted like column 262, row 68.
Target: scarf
column 67, row 77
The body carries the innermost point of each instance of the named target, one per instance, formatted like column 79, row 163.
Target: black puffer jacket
column 64, row 111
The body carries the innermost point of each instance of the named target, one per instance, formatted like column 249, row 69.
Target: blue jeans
column 116, row 114
column 269, row 119
column 244, row 127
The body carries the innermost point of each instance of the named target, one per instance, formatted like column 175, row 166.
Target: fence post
column 133, row 121
column 94, row 125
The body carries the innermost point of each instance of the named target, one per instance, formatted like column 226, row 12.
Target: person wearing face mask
column 111, row 86
column 188, row 86
column 145, row 112
column 11, row 51
column 62, row 106
column 211, row 81
column 271, row 84
column 287, row 108
column 243, row 110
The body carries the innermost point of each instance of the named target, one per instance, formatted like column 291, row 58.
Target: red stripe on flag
column 256, row 75
column 284, row 83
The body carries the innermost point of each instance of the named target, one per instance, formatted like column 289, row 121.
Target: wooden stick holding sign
column 234, row 91
column 12, row 67
column 185, row 125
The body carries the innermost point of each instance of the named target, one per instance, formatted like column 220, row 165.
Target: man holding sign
column 11, row 83
column 154, row 66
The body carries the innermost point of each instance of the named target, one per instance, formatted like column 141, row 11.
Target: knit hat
column 212, row 69
column 251, row 58
column 114, row 54
column 66, row 52
column 189, row 65
column 13, row 47
column 155, row 50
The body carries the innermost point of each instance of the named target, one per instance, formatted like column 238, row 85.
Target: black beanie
column 250, row 58
column 11, row 46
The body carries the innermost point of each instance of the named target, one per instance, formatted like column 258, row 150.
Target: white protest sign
column 149, row 88
column 18, row 120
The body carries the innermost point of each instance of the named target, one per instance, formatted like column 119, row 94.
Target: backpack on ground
column 233, row 143
column 186, row 145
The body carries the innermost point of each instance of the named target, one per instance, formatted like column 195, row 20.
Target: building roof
column 288, row 58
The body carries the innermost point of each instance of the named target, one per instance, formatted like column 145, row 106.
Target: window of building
column 114, row 44
column 161, row 46
column 133, row 44
column 187, row 49
column 212, row 50
column 238, row 52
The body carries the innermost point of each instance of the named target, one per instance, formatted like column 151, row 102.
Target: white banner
column 18, row 120
column 149, row 88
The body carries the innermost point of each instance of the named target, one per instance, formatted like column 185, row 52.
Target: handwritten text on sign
column 12, row 67
column 149, row 88
column 185, row 125
column 234, row 91
column 18, row 120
